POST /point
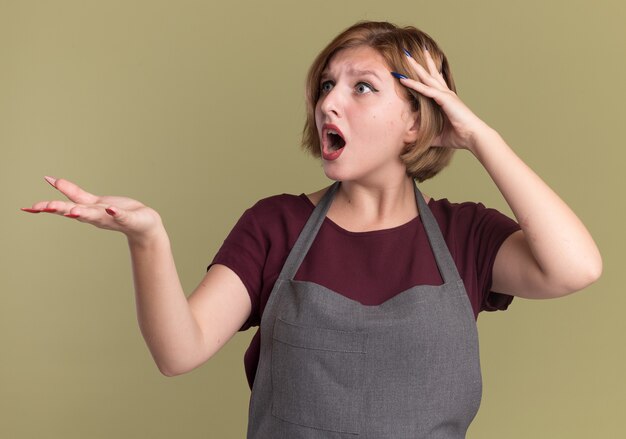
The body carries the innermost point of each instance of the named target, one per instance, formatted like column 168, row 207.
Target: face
column 362, row 118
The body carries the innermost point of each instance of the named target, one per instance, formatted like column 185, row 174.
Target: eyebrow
column 353, row 72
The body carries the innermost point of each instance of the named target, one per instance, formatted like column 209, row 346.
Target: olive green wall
column 196, row 109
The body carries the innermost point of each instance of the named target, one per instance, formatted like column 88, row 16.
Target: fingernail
column 71, row 215
column 29, row 210
column 110, row 211
column 407, row 53
column 398, row 75
column 51, row 180
column 49, row 210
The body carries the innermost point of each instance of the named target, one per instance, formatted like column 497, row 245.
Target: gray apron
column 331, row 367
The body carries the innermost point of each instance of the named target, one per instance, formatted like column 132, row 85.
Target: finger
column 42, row 206
column 56, row 206
column 432, row 67
column 72, row 191
column 94, row 215
column 120, row 216
column 424, row 76
column 421, row 88
column 88, row 214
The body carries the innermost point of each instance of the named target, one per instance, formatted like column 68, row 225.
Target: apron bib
column 331, row 367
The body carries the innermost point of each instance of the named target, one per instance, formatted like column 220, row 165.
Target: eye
column 326, row 86
column 364, row 88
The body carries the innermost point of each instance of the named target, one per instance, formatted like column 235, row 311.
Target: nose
column 330, row 103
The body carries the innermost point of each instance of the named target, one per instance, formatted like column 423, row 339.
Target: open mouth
column 335, row 141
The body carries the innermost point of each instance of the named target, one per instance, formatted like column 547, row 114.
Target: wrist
column 151, row 236
column 481, row 138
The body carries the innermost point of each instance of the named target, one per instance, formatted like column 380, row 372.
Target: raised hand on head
column 460, row 123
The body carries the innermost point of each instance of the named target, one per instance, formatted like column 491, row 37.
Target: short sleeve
column 244, row 251
column 489, row 230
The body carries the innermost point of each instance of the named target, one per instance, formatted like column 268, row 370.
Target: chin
column 333, row 173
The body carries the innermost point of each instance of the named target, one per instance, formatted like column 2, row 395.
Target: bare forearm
column 555, row 254
column 163, row 312
column 560, row 243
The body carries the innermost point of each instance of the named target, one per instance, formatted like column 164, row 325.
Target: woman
column 366, row 292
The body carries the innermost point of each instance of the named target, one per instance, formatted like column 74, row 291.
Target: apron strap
column 308, row 234
column 445, row 263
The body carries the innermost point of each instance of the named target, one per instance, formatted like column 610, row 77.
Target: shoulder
column 273, row 214
column 446, row 210
column 470, row 218
column 280, row 204
column 268, row 221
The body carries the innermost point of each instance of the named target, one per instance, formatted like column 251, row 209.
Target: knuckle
column 54, row 205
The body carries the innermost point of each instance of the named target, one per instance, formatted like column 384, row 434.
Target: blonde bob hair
column 422, row 161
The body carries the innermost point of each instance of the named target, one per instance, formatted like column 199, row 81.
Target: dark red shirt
column 369, row 267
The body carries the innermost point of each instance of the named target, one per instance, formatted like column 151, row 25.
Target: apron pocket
column 317, row 376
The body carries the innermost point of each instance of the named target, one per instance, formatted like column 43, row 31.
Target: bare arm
column 181, row 333
column 554, row 254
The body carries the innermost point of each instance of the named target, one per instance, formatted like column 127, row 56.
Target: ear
column 413, row 125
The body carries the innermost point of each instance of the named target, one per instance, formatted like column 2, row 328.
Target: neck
column 376, row 206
